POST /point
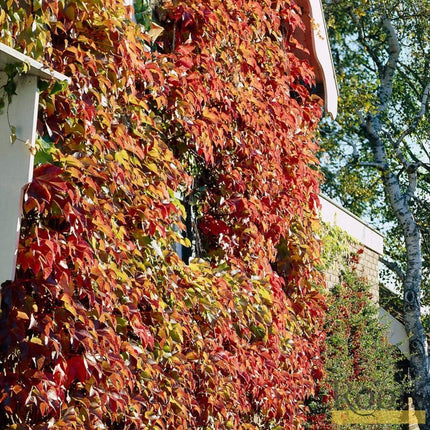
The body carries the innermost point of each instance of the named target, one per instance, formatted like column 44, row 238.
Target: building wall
column 368, row 268
column 367, row 239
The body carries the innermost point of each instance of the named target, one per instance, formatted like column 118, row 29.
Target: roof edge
column 11, row 55
column 356, row 227
column 324, row 57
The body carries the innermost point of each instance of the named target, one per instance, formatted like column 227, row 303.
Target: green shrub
column 363, row 372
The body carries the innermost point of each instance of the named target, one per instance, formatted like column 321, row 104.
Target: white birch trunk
column 419, row 367
column 399, row 202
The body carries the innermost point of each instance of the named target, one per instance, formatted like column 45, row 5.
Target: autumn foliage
column 105, row 326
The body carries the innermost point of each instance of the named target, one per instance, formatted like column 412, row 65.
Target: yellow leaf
column 266, row 296
column 68, row 304
column 22, row 315
column 209, row 115
column 152, row 167
column 36, row 340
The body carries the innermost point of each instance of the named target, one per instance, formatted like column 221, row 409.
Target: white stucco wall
column 16, row 167
column 334, row 214
column 396, row 333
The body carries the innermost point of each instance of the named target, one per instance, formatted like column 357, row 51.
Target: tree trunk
column 399, row 202
column 419, row 366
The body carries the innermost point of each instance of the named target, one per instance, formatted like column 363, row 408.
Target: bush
column 362, row 369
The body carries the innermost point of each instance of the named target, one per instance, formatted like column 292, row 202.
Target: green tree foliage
column 359, row 43
column 379, row 146
column 143, row 13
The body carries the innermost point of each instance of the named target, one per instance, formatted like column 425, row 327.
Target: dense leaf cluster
column 104, row 325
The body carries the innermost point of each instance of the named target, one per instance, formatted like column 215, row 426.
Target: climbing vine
column 8, row 90
column 104, row 325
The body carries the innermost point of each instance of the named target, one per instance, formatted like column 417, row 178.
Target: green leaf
column 58, row 87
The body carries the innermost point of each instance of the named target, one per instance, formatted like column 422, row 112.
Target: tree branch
column 356, row 155
column 425, row 151
column 417, row 118
column 386, row 87
column 412, row 181
column 371, row 127
column 416, row 159
column 412, row 167
column 379, row 166
column 410, row 76
column 394, row 267
column 363, row 40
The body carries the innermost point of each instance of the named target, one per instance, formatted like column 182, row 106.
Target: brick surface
column 368, row 268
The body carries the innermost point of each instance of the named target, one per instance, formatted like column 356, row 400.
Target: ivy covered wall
column 105, row 326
